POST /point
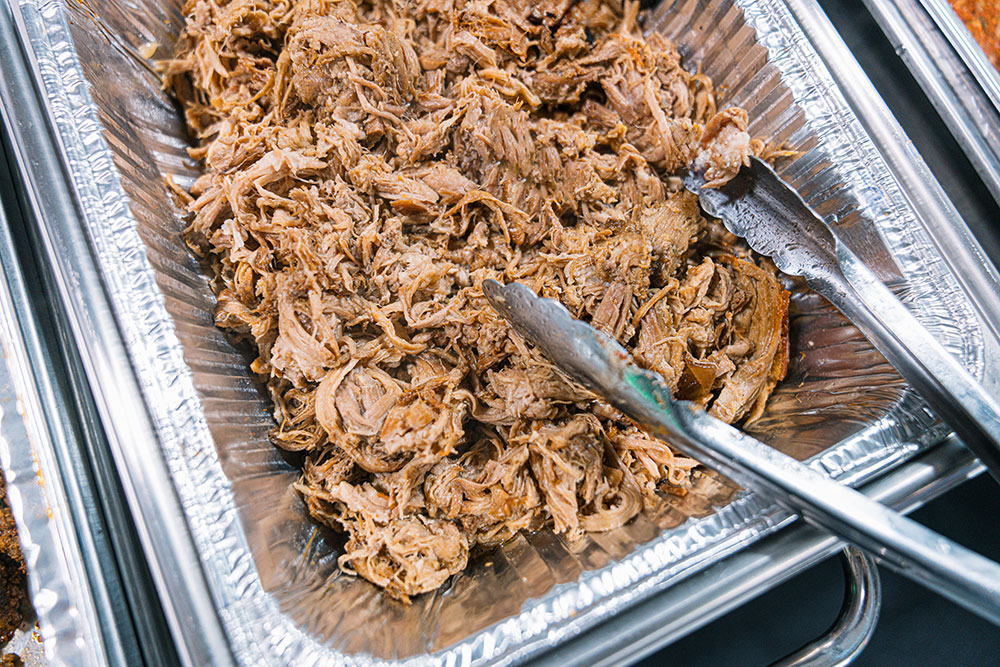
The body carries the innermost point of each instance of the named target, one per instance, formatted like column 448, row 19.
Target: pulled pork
column 368, row 164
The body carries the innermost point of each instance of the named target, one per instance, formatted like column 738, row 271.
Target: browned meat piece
column 611, row 314
column 531, row 392
column 651, row 462
column 671, row 227
column 720, row 333
column 489, row 490
column 406, row 556
column 683, row 330
column 724, row 148
column 368, row 165
column 567, row 461
column 762, row 325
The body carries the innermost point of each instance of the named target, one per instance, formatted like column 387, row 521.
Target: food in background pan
column 13, row 593
column 368, row 165
column 982, row 18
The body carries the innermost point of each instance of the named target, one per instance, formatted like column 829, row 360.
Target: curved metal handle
column 855, row 624
column 924, row 363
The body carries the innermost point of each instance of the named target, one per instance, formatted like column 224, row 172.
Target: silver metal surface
column 855, row 624
column 965, row 45
column 57, row 581
column 957, row 247
column 774, row 220
column 601, row 364
column 953, row 71
column 229, row 544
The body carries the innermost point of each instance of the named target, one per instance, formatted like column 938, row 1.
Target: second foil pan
column 954, row 72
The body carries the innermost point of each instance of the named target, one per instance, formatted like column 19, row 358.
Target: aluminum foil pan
column 953, row 71
column 62, row 617
column 270, row 577
column 965, row 45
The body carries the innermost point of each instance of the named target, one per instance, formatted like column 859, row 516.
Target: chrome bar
column 46, row 487
column 964, row 107
column 855, row 623
column 971, row 53
column 959, row 248
column 50, row 200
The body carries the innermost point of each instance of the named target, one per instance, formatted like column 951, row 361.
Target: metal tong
column 775, row 221
column 603, row 366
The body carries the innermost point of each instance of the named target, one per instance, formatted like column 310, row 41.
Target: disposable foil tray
column 61, row 615
column 953, row 71
column 243, row 574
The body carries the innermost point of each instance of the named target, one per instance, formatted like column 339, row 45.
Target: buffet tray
column 242, row 573
column 63, row 617
column 953, row 71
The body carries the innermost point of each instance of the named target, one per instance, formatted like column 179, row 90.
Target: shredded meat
column 367, row 165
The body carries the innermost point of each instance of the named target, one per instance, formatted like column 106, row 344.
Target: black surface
column 916, row 627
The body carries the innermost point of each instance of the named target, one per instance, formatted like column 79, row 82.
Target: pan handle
column 855, row 624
